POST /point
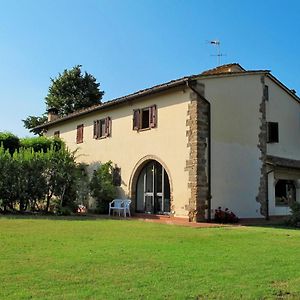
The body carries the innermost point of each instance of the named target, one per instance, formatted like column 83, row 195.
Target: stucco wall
column 285, row 110
column 234, row 129
column 126, row 147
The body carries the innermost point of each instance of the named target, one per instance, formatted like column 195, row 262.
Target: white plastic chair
column 120, row 205
column 116, row 205
column 127, row 203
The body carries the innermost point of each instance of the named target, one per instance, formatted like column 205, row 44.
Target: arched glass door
column 153, row 189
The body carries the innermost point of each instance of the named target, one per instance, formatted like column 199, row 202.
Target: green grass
column 111, row 259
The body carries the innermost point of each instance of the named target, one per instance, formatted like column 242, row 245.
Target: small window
column 145, row 118
column 266, row 93
column 102, row 128
column 56, row 134
column 79, row 136
column 273, row 132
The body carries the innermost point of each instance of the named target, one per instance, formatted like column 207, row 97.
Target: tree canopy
column 70, row 91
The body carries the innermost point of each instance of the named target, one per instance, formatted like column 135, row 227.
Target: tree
column 102, row 187
column 31, row 122
column 70, row 91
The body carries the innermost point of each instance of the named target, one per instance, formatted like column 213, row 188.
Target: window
column 145, row 118
column 56, row 134
column 285, row 192
column 79, row 136
column 266, row 92
column 102, row 128
column 273, row 133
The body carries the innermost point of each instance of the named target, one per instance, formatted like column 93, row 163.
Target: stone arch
column 135, row 175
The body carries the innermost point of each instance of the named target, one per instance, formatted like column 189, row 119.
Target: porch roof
column 283, row 162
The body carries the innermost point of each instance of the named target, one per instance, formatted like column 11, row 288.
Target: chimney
column 52, row 114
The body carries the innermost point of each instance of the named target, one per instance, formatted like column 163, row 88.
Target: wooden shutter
column 136, row 119
column 79, row 137
column 153, row 116
column 107, row 126
column 95, row 130
column 96, row 133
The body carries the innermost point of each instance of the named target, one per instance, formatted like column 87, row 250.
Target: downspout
column 190, row 85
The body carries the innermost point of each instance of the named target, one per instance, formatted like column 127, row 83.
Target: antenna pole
column 217, row 43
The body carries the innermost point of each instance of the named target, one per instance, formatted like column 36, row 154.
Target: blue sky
column 133, row 44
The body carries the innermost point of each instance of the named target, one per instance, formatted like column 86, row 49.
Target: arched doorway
column 153, row 189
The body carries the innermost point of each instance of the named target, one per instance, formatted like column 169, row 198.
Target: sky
column 130, row 45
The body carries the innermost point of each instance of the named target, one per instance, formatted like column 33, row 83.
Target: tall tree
column 70, row 91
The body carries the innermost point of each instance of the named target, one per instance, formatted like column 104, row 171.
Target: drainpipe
column 190, row 85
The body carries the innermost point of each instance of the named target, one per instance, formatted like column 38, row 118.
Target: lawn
column 119, row 259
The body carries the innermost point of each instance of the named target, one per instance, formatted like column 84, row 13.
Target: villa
column 227, row 137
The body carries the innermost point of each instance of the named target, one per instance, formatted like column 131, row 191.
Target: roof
column 283, row 162
column 233, row 69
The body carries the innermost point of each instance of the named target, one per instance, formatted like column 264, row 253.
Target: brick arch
column 135, row 175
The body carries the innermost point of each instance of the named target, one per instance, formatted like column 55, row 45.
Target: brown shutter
column 136, row 119
column 79, row 137
column 153, row 116
column 95, row 130
column 107, row 126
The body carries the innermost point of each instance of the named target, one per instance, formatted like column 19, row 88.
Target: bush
column 42, row 143
column 225, row 216
column 9, row 141
column 37, row 181
column 64, row 211
column 294, row 219
column 102, row 187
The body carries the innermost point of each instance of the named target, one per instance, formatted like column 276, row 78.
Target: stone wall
column 197, row 166
column 262, row 146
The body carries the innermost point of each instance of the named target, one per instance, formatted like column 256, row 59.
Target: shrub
column 294, row 219
column 9, row 141
column 42, row 143
column 102, row 187
column 225, row 216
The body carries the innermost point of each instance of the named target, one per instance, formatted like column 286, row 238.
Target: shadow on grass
column 88, row 217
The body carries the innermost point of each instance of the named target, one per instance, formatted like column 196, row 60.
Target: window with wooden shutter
column 153, row 116
column 136, row 119
column 56, row 134
column 102, row 128
column 273, row 132
column 145, row 118
column 79, row 136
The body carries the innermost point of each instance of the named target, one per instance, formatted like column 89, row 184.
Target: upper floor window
column 266, row 92
column 102, row 128
column 145, row 118
column 79, row 136
column 273, row 132
column 56, row 134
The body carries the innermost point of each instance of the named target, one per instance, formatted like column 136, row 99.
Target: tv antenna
column 217, row 44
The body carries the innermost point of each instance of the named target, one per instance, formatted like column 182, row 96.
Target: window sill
column 144, row 129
